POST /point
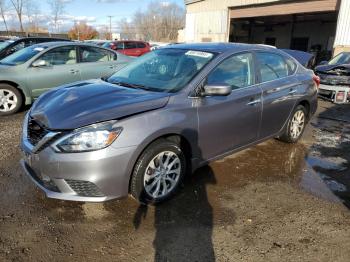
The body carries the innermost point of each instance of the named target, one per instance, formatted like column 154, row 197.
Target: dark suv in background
column 11, row 46
column 129, row 48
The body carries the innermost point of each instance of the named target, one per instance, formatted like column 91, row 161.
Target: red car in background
column 129, row 48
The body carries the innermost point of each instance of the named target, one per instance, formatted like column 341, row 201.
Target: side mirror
column 39, row 63
column 323, row 62
column 217, row 90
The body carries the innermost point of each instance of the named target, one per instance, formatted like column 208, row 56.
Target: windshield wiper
column 135, row 86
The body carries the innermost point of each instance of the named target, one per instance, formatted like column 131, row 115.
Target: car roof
column 36, row 38
column 67, row 43
column 221, row 47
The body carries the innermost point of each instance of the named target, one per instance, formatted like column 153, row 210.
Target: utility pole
column 110, row 26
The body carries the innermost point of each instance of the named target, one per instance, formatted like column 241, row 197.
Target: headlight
column 90, row 138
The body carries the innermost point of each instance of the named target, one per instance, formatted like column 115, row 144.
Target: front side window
column 93, row 54
column 236, row 71
column 65, row 55
column 271, row 66
column 164, row 70
column 120, row 45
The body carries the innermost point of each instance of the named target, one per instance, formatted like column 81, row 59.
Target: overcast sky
column 95, row 12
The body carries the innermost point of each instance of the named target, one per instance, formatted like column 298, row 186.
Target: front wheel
column 296, row 126
column 10, row 100
column 158, row 172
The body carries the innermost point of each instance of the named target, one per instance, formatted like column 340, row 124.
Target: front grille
column 84, row 188
column 35, row 132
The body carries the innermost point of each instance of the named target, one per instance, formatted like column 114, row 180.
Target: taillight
column 317, row 80
column 340, row 97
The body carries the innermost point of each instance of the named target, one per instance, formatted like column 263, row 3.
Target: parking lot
column 269, row 203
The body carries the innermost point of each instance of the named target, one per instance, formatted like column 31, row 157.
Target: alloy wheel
column 297, row 124
column 162, row 174
column 8, row 100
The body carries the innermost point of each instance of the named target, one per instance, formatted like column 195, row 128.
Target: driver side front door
column 61, row 68
column 230, row 122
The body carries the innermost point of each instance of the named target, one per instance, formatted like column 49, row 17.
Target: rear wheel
column 158, row 172
column 296, row 125
column 10, row 99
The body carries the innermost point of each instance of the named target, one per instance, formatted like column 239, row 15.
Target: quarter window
column 65, row 55
column 272, row 66
column 92, row 54
column 236, row 71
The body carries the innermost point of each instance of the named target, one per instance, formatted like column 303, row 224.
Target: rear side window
column 140, row 45
column 236, row 71
column 94, row 54
column 292, row 66
column 130, row 45
column 271, row 66
column 65, row 55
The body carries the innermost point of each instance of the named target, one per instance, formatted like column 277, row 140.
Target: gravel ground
column 273, row 202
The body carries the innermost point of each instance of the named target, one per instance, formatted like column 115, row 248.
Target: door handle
column 292, row 91
column 112, row 67
column 254, row 102
column 74, row 71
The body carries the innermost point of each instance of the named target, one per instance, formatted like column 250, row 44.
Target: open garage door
column 304, row 25
column 286, row 8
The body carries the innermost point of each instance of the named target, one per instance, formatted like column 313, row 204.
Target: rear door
column 229, row 122
column 280, row 90
column 142, row 48
column 130, row 49
column 97, row 62
column 61, row 68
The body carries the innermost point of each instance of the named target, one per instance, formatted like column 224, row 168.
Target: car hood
column 340, row 69
column 89, row 102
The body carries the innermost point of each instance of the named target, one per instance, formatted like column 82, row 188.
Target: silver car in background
column 28, row 73
column 161, row 117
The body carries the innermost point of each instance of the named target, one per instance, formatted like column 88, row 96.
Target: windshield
column 5, row 44
column 342, row 58
column 163, row 70
column 22, row 56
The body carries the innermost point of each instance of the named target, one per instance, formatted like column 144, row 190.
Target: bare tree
column 159, row 22
column 33, row 13
column 57, row 10
column 127, row 31
column 19, row 6
column 3, row 9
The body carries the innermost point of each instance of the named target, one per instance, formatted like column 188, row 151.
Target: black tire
column 5, row 89
column 137, row 184
column 287, row 135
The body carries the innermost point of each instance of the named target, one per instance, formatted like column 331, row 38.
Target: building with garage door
column 319, row 26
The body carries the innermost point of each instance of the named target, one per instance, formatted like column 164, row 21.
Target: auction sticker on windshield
column 199, row 54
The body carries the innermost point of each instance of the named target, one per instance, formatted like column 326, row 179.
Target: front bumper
column 336, row 94
column 90, row 176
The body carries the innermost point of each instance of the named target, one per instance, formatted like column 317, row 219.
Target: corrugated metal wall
column 207, row 26
column 343, row 27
